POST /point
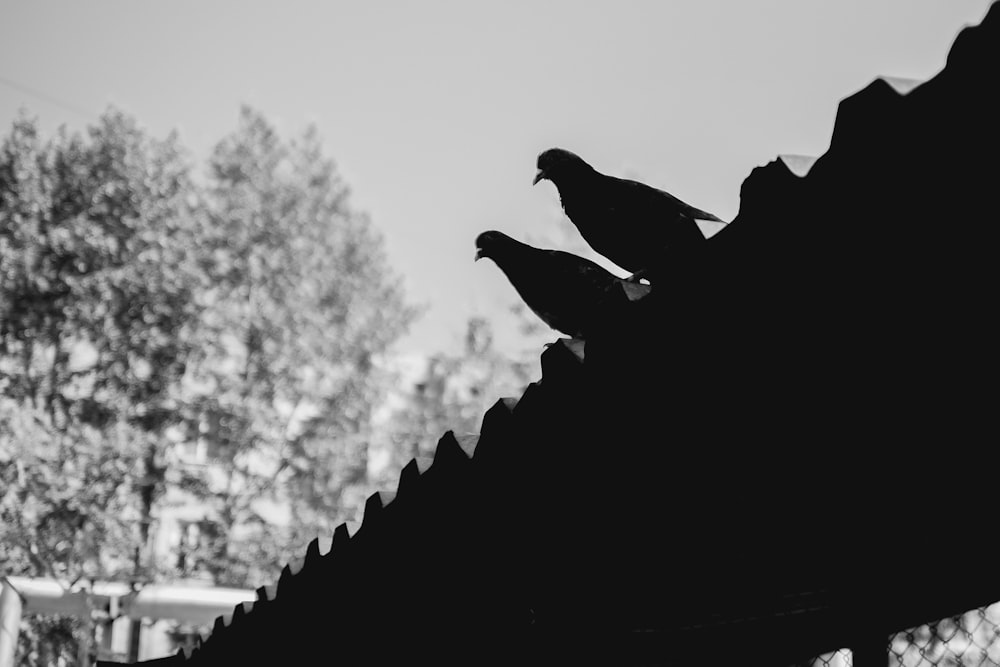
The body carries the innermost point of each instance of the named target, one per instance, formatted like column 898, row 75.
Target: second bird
column 630, row 223
column 566, row 291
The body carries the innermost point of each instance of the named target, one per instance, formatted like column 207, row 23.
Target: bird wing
column 581, row 270
column 568, row 291
column 648, row 198
column 563, row 289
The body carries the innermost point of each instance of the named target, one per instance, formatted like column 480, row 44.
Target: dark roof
column 743, row 464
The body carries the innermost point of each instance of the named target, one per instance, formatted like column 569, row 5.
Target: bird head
column 557, row 163
column 488, row 243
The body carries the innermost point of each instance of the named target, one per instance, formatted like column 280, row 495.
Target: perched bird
column 630, row 223
column 564, row 290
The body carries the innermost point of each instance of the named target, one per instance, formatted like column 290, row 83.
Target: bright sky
column 435, row 110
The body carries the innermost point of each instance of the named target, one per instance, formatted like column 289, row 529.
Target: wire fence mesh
column 841, row 658
column 971, row 639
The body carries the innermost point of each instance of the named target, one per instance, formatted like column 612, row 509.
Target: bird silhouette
column 630, row 223
column 566, row 291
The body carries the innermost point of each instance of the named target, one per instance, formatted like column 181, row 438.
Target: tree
column 453, row 392
column 302, row 306
column 142, row 313
column 68, row 511
column 96, row 298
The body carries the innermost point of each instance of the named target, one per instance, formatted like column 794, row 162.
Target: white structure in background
column 114, row 607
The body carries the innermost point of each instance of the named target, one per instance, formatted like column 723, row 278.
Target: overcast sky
column 435, row 111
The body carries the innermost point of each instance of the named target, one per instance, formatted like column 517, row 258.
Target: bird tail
column 702, row 215
column 698, row 214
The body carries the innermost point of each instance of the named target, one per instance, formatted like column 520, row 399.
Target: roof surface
column 749, row 453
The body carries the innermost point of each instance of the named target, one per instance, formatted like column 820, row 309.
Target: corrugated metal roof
column 691, row 478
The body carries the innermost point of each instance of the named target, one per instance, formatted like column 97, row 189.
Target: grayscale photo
column 568, row 332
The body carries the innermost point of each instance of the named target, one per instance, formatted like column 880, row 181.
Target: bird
column 565, row 290
column 630, row 223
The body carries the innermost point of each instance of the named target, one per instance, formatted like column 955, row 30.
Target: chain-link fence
column 971, row 639
column 841, row 658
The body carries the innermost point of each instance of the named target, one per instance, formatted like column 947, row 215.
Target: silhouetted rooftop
column 737, row 459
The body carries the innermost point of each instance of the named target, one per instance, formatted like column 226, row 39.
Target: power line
column 68, row 106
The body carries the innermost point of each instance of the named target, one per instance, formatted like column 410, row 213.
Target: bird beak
column 479, row 254
column 539, row 176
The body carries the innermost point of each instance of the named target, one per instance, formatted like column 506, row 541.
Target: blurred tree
column 68, row 511
column 300, row 309
column 96, row 299
column 454, row 391
column 142, row 313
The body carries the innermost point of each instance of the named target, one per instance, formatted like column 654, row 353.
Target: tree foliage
column 145, row 313
column 96, row 299
column 453, row 392
column 302, row 306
